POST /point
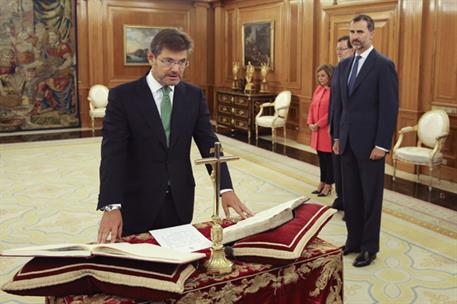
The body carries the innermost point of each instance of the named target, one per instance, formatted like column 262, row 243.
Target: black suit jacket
column 331, row 109
column 137, row 167
column 368, row 116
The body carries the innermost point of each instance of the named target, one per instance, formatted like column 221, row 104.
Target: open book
column 143, row 251
column 263, row 221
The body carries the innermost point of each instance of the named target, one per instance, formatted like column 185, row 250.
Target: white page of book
column 184, row 238
column 262, row 221
column 268, row 213
column 73, row 249
column 148, row 251
column 141, row 251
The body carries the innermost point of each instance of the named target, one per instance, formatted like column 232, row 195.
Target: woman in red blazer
column 318, row 124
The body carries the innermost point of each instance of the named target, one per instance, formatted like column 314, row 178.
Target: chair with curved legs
column 432, row 130
column 281, row 105
column 98, row 100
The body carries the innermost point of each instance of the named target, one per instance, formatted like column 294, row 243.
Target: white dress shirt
column 156, row 90
column 362, row 59
column 157, row 93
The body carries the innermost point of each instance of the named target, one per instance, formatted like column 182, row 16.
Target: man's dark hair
column 369, row 21
column 172, row 39
column 345, row 38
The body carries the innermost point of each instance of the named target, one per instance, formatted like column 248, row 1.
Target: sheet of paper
column 185, row 238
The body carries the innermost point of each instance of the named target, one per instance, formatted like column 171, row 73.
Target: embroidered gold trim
column 332, row 268
column 104, row 276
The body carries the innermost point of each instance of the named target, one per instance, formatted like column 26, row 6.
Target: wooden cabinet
column 237, row 110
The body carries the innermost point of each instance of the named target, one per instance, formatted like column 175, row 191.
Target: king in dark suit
column 366, row 107
column 146, row 179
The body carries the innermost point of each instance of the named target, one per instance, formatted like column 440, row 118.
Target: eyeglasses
column 184, row 63
column 341, row 49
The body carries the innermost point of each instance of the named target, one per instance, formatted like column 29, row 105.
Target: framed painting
column 38, row 65
column 137, row 40
column 258, row 43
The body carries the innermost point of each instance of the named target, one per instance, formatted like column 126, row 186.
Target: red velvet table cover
column 315, row 277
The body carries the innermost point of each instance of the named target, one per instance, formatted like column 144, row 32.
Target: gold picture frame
column 137, row 40
column 258, row 43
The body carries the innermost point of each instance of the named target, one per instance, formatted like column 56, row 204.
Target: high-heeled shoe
column 319, row 189
column 325, row 194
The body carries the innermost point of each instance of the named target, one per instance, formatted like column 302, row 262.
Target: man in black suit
column 146, row 179
column 366, row 107
column 343, row 51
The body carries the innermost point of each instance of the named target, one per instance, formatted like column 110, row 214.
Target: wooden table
column 237, row 110
column 316, row 277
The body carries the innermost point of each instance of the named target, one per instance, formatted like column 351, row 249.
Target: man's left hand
column 377, row 153
column 231, row 200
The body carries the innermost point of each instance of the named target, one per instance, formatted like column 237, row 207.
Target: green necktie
column 165, row 111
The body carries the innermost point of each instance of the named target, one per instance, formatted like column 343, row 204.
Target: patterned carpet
column 48, row 193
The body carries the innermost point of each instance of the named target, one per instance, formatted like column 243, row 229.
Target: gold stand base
column 263, row 88
column 235, row 84
column 249, row 88
column 218, row 263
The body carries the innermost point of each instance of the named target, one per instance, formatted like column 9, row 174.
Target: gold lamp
column 264, row 69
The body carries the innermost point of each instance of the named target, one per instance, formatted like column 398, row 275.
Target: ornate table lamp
column 264, row 68
column 249, row 88
column 217, row 263
column 235, row 70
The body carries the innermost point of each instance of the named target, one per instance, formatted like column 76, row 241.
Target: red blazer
column 318, row 113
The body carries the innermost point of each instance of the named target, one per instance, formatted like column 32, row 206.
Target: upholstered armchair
column 432, row 130
column 281, row 106
column 98, row 100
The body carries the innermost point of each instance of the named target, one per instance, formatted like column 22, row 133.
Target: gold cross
column 215, row 163
column 217, row 262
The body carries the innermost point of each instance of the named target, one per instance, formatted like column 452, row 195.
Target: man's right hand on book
column 110, row 228
column 231, row 200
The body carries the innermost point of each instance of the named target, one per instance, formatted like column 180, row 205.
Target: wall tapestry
column 38, row 65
